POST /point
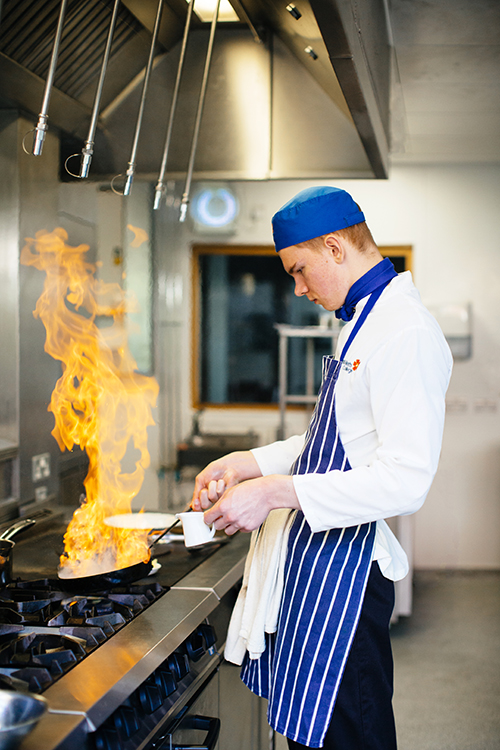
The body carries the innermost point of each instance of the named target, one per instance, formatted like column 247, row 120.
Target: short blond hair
column 358, row 235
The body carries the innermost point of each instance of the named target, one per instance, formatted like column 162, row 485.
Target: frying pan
column 7, row 545
column 112, row 577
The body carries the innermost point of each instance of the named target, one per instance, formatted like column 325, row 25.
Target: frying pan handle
column 165, row 532
column 169, row 529
column 17, row 528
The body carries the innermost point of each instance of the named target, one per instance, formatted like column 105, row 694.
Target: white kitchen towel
column 257, row 608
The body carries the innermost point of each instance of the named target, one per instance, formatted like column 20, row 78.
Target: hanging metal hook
column 187, row 187
column 112, row 185
column 23, row 142
column 73, row 174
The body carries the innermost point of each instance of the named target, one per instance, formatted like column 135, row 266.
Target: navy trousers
column 363, row 718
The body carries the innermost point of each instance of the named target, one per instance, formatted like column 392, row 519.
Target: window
column 400, row 256
column 239, row 294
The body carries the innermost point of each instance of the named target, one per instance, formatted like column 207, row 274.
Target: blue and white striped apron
column 325, row 580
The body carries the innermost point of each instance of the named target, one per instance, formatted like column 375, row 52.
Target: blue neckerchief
column 378, row 276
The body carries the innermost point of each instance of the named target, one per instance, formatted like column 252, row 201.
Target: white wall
column 449, row 214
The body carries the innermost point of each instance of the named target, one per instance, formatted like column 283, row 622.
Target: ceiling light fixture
column 204, row 9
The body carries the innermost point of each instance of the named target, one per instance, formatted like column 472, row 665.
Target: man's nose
column 300, row 287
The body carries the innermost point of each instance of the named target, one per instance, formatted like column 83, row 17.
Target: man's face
column 318, row 274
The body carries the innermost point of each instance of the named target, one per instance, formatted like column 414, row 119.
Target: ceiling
column 446, row 81
column 418, row 79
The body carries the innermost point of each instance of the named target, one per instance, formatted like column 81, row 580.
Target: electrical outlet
column 41, row 494
column 40, row 467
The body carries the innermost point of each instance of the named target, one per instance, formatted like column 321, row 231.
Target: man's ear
column 336, row 246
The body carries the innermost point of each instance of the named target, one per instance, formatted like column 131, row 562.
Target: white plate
column 141, row 521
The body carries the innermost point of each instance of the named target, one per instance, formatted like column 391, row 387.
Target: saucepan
column 19, row 714
column 7, row 545
column 112, row 577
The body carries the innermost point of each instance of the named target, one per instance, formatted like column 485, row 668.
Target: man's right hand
column 225, row 472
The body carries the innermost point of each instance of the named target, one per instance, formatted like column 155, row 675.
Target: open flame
column 100, row 402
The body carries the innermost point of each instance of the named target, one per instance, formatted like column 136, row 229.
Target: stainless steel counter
column 83, row 698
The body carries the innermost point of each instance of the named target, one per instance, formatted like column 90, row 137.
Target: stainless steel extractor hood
column 295, row 90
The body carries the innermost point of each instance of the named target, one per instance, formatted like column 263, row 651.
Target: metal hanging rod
column 132, row 163
column 42, row 126
column 160, row 185
column 88, row 149
column 199, row 113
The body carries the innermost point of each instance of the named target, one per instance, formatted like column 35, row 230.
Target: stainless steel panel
column 234, row 138
column 105, row 678
column 68, row 730
column 9, row 281
column 25, row 89
column 220, row 572
column 54, row 729
column 357, row 39
column 250, row 117
column 28, row 193
column 312, row 137
column 38, row 372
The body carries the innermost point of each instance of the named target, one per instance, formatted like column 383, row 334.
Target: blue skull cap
column 312, row 213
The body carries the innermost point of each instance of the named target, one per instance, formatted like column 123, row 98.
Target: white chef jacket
column 390, row 406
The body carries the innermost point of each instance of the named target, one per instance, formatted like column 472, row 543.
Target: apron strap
column 364, row 314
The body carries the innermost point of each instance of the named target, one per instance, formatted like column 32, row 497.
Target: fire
column 140, row 235
column 100, row 402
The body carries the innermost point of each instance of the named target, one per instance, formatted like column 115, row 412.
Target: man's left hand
column 246, row 506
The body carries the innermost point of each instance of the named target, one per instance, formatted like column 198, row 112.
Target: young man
column 370, row 453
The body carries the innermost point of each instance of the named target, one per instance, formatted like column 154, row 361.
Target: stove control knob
column 150, row 698
column 208, row 634
column 126, row 722
column 164, row 681
column 195, row 645
column 178, row 664
column 107, row 739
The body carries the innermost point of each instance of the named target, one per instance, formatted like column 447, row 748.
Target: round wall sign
column 215, row 207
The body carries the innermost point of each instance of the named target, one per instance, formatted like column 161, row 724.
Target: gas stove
column 45, row 631
column 117, row 666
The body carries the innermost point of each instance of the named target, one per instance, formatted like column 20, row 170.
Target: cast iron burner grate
column 45, row 631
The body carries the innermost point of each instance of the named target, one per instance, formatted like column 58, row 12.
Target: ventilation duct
column 287, row 96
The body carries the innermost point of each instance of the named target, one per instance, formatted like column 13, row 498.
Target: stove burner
column 44, row 631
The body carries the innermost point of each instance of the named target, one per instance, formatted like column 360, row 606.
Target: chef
column 370, row 453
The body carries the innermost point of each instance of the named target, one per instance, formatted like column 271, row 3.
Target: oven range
column 127, row 668
column 45, row 632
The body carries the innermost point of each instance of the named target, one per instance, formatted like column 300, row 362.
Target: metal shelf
column 310, row 333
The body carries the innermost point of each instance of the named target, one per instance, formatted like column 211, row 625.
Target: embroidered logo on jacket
column 350, row 367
